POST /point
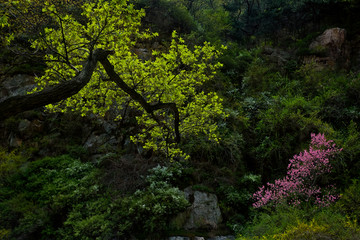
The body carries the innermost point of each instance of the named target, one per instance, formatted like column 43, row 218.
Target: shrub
column 44, row 190
column 62, row 198
column 301, row 182
column 303, row 230
column 281, row 131
column 235, row 200
column 288, row 223
column 349, row 202
column 9, row 163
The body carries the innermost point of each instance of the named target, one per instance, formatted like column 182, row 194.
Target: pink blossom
column 300, row 182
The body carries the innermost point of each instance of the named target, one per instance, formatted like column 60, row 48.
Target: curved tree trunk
column 17, row 104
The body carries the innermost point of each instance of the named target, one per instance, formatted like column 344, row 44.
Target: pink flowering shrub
column 301, row 182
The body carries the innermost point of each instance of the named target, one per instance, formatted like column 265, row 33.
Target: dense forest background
column 65, row 176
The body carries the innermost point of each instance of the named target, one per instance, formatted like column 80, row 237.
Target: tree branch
column 17, row 104
column 109, row 68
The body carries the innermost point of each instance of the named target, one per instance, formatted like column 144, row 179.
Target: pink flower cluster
column 300, row 183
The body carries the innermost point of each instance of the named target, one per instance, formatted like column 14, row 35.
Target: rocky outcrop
column 331, row 50
column 178, row 238
column 18, row 84
column 277, row 56
column 229, row 237
column 204, row 212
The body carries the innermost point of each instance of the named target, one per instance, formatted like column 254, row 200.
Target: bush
column 349, row 202
column 9, row 164
column 62, row 198
column 45, row 190
column 294, row 223
column 301, row 184
column 282, row 129
column 235, row 200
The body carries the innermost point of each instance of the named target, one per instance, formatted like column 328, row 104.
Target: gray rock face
column 24, row 125
column 14, row 141
column 19, row 84
column 95, row 141
column 333, row 38
column 199, row 238
column 204, row 213
column 278, row 56
column 230, row 237
column 178, row 238
column 336, row 50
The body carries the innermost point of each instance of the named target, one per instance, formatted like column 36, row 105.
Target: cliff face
column 334, row 50
column 330, row 50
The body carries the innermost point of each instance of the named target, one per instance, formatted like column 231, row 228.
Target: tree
column 301, row 184
column 165, row 90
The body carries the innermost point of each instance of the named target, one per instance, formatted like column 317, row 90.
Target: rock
column 278, row 56
column 99, row 142
column 14, row 141
column 142, row 53
column 37, row 126
column 18, row 84
column 24, row 125
column 230, row 237
column 109, row 127
column 333, row 38
column 28, row 128
column 93, row 143
column 333, row 46
column 204, row 213
column 178, row 238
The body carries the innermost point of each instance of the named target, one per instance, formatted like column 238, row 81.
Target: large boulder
column 331, row 49
column 204, row 212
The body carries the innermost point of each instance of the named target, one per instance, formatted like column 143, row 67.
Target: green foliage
column 214, row 23
column 263, row 75
column 256, row 76
column 62, row 198
column 165, row 174
column 43, row 191
column 313, row 230
column 9, row 164
column 293, row 223
column 165, row 15
column 349, row 202
column 346, row 166
column 286, row 123
column 151, row 209
column 175, row 77
column 227, row 151
column 235, row 200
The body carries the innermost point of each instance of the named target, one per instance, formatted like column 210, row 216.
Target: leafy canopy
column 172, row 77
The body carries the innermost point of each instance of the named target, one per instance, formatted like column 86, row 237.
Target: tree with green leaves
column 92, row 67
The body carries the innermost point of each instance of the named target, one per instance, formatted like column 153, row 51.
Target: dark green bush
column 349, row 202
column 36, row 199
column 283, row 129
column 235, row 200
column 62, row 198
column 9, row 164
